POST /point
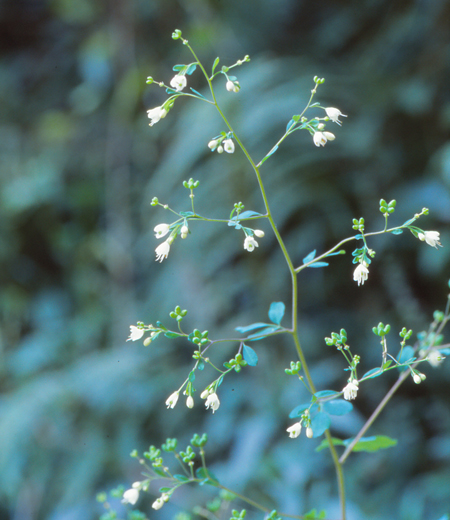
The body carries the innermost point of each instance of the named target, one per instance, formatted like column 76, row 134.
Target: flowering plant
column 316, row 415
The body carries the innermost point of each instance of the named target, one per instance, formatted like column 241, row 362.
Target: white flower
column 228, row 145
column 212, row 401
column 184, row 231
column 309, row 432
column 435, row 358
column 205, row 393
column 212, row 144
column 329, row 136
column 233, row 86
column 220, row 149
column 190, row 402
column 161, row 230
column 361, row 273
column 158, row 503
column 250, row 243
column 333, row 114
column 130, row 496
column 135, row 333
column 171, row 401
column 417, row 379
column 351, row 390
column 259, row 233
column 155, row 114
column 430, row 237
column 162, row 251
column 178, row 82
column 319, row 139
column 294, row 430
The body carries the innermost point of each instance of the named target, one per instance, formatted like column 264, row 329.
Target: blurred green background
column 79, row 167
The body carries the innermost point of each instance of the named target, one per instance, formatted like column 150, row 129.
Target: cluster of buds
column 250, row 243
column 220, row 144
column 161, row 230
column 295, row 430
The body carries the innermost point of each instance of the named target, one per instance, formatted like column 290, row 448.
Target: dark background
column 79, row 167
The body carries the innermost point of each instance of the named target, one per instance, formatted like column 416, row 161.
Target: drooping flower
column 430, row 237
column 178, row 82
column 163, row 250
column 233, row 86
column 135, row 333
column 205, row 393
column 212, row 144
column 190, row 402
column 309, row 432
column 361, row 273
column 319, row 139
column 294, row 430
column 228, row 145
column 333, row 114
column 171, row 401
column 158, row 503
column 184, row 231
column 212, row 401
column 435, row 358
column 155, row 114
column 161, row 230
column 130, row 496
column 250, row 243
column 351, row 390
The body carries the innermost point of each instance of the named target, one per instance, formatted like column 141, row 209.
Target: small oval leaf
column 276, row 312
column 250, row 356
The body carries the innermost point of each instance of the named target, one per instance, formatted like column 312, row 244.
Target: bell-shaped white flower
column 351, row 390
column 205, row 393
column 233, row 86
column 171, row 401
column 135, row 333
column 190, row 402
column 158, row 503
column 250, row 243
column 258, row 232
column 228, row 145
column 319, row 139
column 294, row 430
column 329, row 136
column 130, row 496
column 178, row 82
column 430, row 237
column 213, row 144
column 361, row 273
column 163, row 250
column 334, row 114
column 212, row 401
column 155, row 114
column 161, row 230
column 309, row 432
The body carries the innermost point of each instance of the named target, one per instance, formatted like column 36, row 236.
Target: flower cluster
column 351, row 390
column 220, row 144
column 295, row 430
column 321, row 137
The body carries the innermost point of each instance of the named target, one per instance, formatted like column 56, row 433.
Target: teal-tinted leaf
column 276, row 312
column 337, row 407
column 445, row 517
column 274, row 149
column 173, row 335
column 250, row 356
column 186, row 213
column 253, row 326
column 192, row 376
column 445, row 351
column 319, row 423
column 216, row 62
column 410, row 221
column 325, row 393
column 198, row 94
column 201, row 365
column 177, row 68
column 319, row 264
column 290, row 125
column 191, row 68
column 181, row 478
column 324, row 444
column 309, row 257
column 165, row 489
column 298, row 410
column 406, row 355
column 159, row 472
column 371, row 444
column 396, row 232
column 375, row 372
column 248, row 214
column 206, row 476
column 262, row 333
column 358, row 237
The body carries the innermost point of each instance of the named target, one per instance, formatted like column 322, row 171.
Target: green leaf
column 325, row 393
column 337, row 407
column 192, row 376
column 298, row 410
column 181, row 478
column 319, row 264
column 276, row 312
column 207, row 477
column 274, row 149
column 191, row 68
column 159, row 472
column 253, row 326
column 375, row 372
column 396, row 232
column 309, row 257
column 324, row 444
column 290, row 125
column 372, row 444
column 319, row 423
column 198, row 94
column 173, row 335
column 216, row 62
column 250, row 356
column 262, row 333
column 248, row 214
column 407, row 354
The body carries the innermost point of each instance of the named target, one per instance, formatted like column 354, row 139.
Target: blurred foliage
column 79, row 167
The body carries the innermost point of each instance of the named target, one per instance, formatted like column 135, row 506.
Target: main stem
column 294, row 282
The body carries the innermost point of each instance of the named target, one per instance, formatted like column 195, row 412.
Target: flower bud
column 212, row 144
column 190, row 402
column 184, row 231
column 220, row 149
column 259, row 233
